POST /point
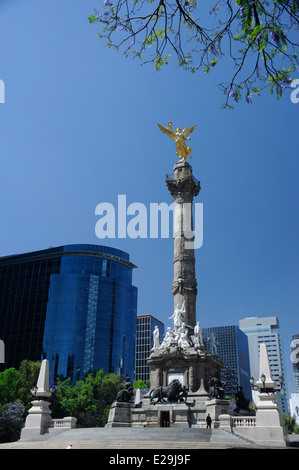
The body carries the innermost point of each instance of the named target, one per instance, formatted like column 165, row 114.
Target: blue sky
column 79, row 127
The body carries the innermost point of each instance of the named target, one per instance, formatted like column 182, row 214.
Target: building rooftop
column 259, row 321
column 66, row 250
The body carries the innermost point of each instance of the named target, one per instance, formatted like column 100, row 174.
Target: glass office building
column 232, row 348
column 144, row 343
column 74, row 305
column 24, row 287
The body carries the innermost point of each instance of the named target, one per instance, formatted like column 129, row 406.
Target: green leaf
column 92, row 19
column 159, row 61
column 240, row 36
column 263, row 43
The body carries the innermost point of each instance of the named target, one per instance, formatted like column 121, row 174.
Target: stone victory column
column 182, row 355
column 183, row 187
column 181, row 370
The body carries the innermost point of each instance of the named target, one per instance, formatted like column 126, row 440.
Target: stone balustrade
column 67, row 422
column 241, row 421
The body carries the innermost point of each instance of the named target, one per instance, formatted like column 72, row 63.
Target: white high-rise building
column 295, row 360
column 264, row 330
column 294, row 406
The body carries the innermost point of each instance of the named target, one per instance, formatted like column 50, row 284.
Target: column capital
column 182, row 185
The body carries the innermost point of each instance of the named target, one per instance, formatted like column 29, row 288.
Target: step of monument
column 139, row 434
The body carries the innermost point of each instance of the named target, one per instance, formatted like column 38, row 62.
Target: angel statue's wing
column 188, row 131
column 167, row 131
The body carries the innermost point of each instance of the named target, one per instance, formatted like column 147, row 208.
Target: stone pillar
column 39, row 415
column 269, row 420
column 183, row 187
column 217, row 407
column 120, row 415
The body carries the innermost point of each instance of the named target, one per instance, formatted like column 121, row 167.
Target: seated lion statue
column 171, row 392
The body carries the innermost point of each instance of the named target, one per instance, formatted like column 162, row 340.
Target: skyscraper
column 74, row 305
column 295, row 360
column 231, row 345
column 144, row 342
column 294, row 399
column 264, row 330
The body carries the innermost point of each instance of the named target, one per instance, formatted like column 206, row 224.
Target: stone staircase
column 148, row 437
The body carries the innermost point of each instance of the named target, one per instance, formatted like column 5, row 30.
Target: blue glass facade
column 232, row 349
column 144, row 343
column 89, row 311
column 24, row 286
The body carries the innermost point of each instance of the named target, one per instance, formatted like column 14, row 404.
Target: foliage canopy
column 89, row 400
column 258, row 36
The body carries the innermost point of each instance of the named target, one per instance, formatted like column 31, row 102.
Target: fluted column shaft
column 183, row 187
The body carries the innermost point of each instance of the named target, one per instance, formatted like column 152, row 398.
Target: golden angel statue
column 179, row 137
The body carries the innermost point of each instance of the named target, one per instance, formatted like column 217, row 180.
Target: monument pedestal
column 120, row 415
column 215, row 408
column 193, row 366
column 37, row 421
column 269, row 421
column 189, row 414
column 162, row 415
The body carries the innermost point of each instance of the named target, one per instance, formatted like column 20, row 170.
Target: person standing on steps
column 209, row 421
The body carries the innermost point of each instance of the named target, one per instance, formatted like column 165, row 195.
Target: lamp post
column 33, row 391
column 281, row 381
column 270, row 388
column 263, row 380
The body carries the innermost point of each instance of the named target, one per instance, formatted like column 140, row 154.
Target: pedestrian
column 208, row 420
